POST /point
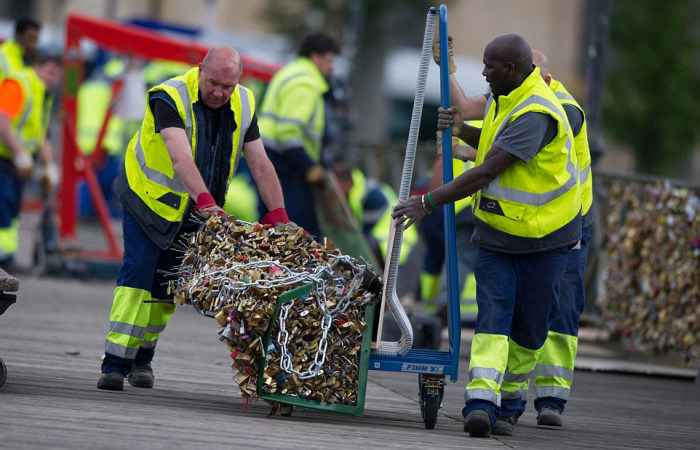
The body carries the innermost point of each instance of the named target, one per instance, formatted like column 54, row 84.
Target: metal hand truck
column 432, row 366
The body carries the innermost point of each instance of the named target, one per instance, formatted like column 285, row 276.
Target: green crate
column 363, row 366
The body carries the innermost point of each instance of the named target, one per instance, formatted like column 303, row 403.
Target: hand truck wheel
column 431, row 390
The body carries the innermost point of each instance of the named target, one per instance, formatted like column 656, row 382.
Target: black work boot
column 111, row 381
column 504, row 426
column 141, row 376
column 478, row 423
column 549, row 416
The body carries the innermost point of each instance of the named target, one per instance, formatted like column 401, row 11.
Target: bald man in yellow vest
column 180, row 162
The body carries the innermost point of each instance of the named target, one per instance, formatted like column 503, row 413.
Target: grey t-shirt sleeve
column 575, row 118
column 527, row 135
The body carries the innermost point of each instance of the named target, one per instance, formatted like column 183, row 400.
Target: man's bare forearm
column 472, row 108
column 180, row 153
column 470, row 135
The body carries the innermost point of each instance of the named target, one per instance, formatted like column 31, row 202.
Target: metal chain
column 322, row 274
column 283, row 339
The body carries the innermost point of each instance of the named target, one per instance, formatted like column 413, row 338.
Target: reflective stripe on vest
column 184, row 93
column 26, row 110
column 245, row 120
column 174, row 183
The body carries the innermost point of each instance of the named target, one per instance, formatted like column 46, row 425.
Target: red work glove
column 276, row 216
column 279, row 216
column 206, row 206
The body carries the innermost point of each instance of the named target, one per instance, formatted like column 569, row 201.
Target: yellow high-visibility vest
column 292, row 113
column 93, row 101
column 31, row 123
column 11, row 58
column 380, row 230
column 535, row 199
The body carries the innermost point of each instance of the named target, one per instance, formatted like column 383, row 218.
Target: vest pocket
column 171, row 199
column 502, row 207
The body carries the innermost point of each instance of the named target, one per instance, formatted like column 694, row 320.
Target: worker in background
column 370, row 202
column 242, row 197
column 159, row 70
column 93, row 101
column 25, row 107
column 170, row 172
column 527, row 214
column 20, row 51
column 433, row 278
column 292, row 121
column 555, row 367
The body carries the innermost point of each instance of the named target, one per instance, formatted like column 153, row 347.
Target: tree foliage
column 653, row 85
column 295, row 18
column 393, row 20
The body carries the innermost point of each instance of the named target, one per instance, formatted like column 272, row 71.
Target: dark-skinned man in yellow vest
column 555, row 366
column 527, row 213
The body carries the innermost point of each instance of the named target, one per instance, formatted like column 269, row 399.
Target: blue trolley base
column 417, row 361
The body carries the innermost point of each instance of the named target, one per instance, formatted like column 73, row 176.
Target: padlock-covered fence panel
column 650, row 286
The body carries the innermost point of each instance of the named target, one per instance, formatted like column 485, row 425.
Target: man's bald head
column 540, row 60
column 219, row 73
column 222, row 57
column 512, row 48
column 507, row 62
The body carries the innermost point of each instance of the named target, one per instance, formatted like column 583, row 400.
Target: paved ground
column 52, row 341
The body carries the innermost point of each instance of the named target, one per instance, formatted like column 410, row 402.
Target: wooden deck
column 52, row 340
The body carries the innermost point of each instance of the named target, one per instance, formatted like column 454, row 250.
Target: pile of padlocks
column 651, row 285
column 236, row 271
